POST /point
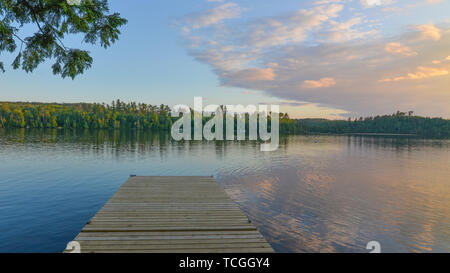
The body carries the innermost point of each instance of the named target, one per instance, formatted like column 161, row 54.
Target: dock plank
column 153, row 214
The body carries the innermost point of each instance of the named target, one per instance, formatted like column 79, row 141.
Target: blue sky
column 291, row 52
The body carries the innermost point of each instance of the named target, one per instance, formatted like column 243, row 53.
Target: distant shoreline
column 379, row 134
column 147, row 117
column 282, row 134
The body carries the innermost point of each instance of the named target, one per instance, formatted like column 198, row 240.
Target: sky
column 321, row 58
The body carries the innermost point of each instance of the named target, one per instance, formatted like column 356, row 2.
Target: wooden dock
column 171, row 215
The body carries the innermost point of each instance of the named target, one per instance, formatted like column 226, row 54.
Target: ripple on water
column 331, row 196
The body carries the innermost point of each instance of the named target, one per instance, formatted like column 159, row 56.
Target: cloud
column 397, row 48
column 421, row 73
column 447, row 59
column 291, row 28
column 430, row 31
column 375, row 3
column 413, row 5
column 345, row 31
column 324, row 82
column 249, row 92
column 325, row 2
column 214, row 16
column 321, row 56
column 254, row 74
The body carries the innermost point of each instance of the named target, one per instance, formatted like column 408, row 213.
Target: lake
column 314, row 194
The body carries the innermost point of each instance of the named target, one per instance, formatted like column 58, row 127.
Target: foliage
column 141, row 116
column 54, row 21
column 397, row 123
column 85, row 115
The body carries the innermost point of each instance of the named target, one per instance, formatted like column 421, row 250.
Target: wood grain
column 189, row 214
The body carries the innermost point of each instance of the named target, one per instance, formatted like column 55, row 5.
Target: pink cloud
column 430, row 31
column 434, row 1
column 421, row 73
column 322, row 83
column 397, row 48
column 255, row 74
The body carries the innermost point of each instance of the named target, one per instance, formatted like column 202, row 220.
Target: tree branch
column 33, row 15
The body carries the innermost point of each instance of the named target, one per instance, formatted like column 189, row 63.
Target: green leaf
column 16, row 62
column 54, row 20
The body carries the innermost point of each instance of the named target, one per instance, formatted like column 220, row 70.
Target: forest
column 141, row 116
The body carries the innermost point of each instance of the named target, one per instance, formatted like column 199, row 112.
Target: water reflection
column 315, row 194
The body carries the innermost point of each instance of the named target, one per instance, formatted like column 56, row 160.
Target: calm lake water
column 335, row 195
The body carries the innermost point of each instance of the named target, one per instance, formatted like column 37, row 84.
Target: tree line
column 401, row 123
column 141, row 116
column 117, row 115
